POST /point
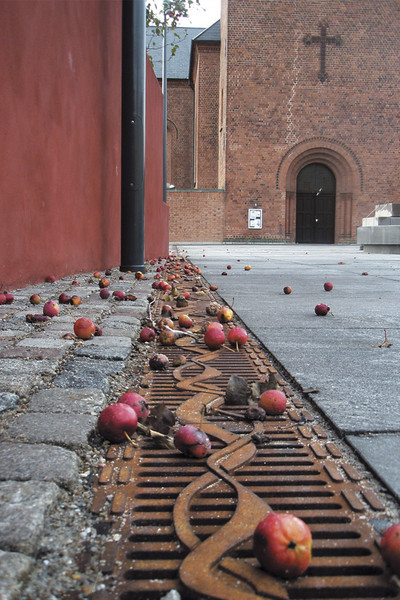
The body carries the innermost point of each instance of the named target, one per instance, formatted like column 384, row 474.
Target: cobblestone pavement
column 52, row 387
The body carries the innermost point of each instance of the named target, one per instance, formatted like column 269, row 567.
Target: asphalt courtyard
column 337, row 359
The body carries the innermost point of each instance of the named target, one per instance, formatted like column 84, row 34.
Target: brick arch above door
column 345, row 166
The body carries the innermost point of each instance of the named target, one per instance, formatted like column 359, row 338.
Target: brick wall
column 206, row 76
column 196, row 215
column 180, row 133
column 277, row 107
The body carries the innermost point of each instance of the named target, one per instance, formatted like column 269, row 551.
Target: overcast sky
column 204, row 15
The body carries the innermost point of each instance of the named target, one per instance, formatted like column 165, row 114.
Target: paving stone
column 20, row 384
column 121, row 321
column 68, row 401
column 70, row 431
column 110, row 348
column 24, row 462
column 8, row 401
column 83, row 372
column 12, row 333
column 16, row 367
column 14, row 567
column 33, row 353
column 23, row 507
column 44, row 342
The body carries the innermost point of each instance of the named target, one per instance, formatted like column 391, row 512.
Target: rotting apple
column 328, row 286
column 98, row 331
column 225, row 314
column 167, row 337
column 75, row 300
column 64, row 298
column 214, row 338
column 104, row 282
column 185, row 321
column 390, row 547
column 84, row 328
column 287, row 289
column 247, row 268
column 119, row 295
column 117, row 420
column 273, row 402
column 51, row 309
column 165, row 322
column 137, row 402
column 282, row 543
column 192, row 441
column 321, row 310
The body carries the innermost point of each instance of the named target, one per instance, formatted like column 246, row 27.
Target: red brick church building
column 283, row 121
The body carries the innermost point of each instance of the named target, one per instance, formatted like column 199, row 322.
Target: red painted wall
column 60, row 140
column 156, row 210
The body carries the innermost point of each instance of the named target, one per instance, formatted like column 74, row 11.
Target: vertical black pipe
column 133, row 134
column 165, row 107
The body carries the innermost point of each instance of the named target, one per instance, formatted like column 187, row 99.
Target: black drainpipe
column 133, row 134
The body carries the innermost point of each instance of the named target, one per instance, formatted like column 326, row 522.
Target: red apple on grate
column 390, row 547
column 225, row 314
column 137, row 402
column 282, row 544
column 273, row 402
column 237, row 336
column 192, row 441
column 214, row 338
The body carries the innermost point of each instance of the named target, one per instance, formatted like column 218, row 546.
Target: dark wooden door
column 315, row 205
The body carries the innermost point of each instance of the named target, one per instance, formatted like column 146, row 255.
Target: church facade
column 285, row 126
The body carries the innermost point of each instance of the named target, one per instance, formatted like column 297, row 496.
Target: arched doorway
column 315, row 205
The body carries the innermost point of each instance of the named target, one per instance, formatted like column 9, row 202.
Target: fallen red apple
column 64, row 298
column 167, row 310
column 116, row 420
column 167, row 337
column 137, row 402
column 35, row 299
column 75, row 282
column 225, row 314
column 214, row 338
column 273, row 402
column 51, row 309
column 287, row 289
column 50, row 279
column 139, row 275
column 237, row 336
column 84, row 328
column 2, row 298
column 229, row 267
column 282, row 544
column 97, row 275
column 105, row 293
column 147, row 334
column 9, row 297
column 247, row 268
column 192, row 441
column 390, row 547
column 103, row 283
column 322, row 309
column 98, row 331
column 216, row 324
column 158, row 362
column 213, row 288
column 328, row 286
column 119, row 295
column 76, row 300
column 186, row 295
column 165, row 322
column 185, row 321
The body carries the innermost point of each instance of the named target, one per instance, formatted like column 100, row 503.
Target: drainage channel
column 185, row 524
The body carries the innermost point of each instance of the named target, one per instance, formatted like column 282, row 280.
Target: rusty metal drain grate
column 187, row 524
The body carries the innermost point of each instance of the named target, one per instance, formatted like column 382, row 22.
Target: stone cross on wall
column 322, row 40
